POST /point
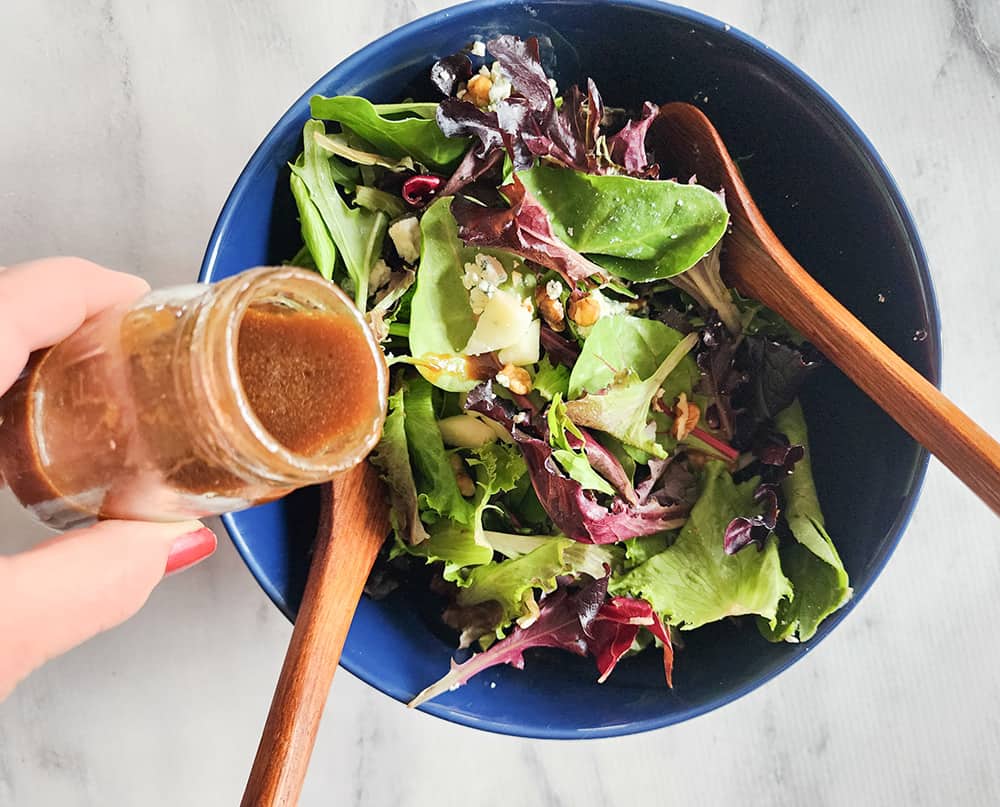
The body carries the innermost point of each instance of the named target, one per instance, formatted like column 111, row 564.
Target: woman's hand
column 78, row 584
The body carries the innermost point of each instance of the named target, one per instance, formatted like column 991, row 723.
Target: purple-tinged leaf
column 449, row 72
column 524, row 229
column 575, row 511
column 457, row 118
column 561, row 623
column 521, row 60
column 720, row 378
column 777, row 371
column 628, row 147
column 472, row 168
column 615, row 628
column 745, row 530
column 774, row 449
column 669, row 482
column 619, row 521
column 605, row 463
column 420, row 189
column 559, row 349
column 584, row 113
column 473, row 621
column 530, row 118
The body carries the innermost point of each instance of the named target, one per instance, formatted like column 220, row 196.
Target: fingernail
column 189, row 549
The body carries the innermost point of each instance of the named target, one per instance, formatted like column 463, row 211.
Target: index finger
column 44, row 301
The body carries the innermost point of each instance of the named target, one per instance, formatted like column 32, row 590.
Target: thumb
column 76, row 585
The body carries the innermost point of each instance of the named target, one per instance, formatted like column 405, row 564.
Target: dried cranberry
column 420, row 189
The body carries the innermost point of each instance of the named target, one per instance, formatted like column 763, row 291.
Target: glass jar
column 195, row 401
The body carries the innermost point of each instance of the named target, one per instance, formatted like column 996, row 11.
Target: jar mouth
column 298, row 289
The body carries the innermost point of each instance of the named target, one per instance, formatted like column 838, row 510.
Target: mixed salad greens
column 593, row 441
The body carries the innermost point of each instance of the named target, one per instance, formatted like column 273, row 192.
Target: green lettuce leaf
column 459, row 546
column 639, row 550
column 811, row 563
column 408, row 109
column 693, row 582
column 316, row 236
column 436, row 483
column 392, row 457
column 573, row 462
column 417, row 137
column 358, row 233
column 551, row 380
column 345, row 147
column 498, row 467
column 648, row 228
column 623, row 408
column 512, row 582
column 374, row 199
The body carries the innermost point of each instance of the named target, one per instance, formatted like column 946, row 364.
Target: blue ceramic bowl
column 826, row 193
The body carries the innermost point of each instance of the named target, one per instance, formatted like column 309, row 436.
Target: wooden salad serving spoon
column 353, row 524
column 758, row 264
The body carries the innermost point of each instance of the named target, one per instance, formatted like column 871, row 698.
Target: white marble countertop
column 122, row 128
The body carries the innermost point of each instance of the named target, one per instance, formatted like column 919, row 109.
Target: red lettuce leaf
column 524, row 229
column 773, row 449
column 575, row 511
column 521, row 60
column 628, row 146
column 447, row 73
column 745, row 530
column 669, row 482
column 777, row 370
column 584, row 114
column 660, row 632
column 605, row 463
column 530, row 118
column 559, row 349
column 472, row 168
column 720, row 377
column 614, row 629
column 562, row 622
column 529, row 125
column 458, row 118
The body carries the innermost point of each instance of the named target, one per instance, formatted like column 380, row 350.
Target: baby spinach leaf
column 358, row 233
column 441, row 318
column 417, row 137
column 648, row 229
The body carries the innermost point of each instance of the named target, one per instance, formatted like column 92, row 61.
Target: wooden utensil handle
column 317, row 640
column 912, row 401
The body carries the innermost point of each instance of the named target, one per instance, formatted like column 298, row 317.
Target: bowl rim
column 424, row 25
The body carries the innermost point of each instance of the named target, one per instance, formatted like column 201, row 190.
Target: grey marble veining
column 122, row 127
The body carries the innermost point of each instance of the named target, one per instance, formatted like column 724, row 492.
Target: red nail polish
column 189, row 549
